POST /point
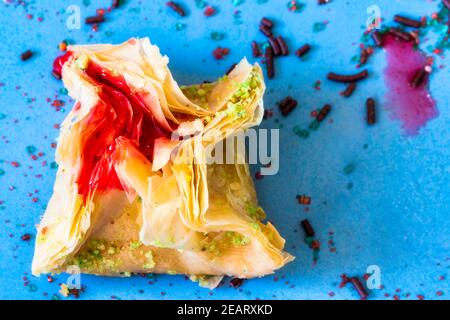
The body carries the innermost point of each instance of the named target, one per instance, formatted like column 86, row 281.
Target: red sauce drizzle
column 120, row 112
column 59, row 62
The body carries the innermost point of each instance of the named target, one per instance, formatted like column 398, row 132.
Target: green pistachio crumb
column 135, row 245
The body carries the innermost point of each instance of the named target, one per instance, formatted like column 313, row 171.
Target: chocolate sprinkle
column 94, row 19
column 307, row 228
column 400, row 34
column 265, row 30
column 348, row 78
column 275, row 46
column 267, row 22
column 323, row 112
column 377, row 39
column 303, row 50
column 268, row 54
column 418, row 78
column 255, row 49
column 287, row 105
column 363, row 57
column 283, row 46
column 370, row 105
column 236, row 282
column 349, row 89
column 25, row 237
column 407, row 21
column 26, row 55
column 176, row 7
column 359, row 287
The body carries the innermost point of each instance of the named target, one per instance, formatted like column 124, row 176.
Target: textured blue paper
column 395, row 216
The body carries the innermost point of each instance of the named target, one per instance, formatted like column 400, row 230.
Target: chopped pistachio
column 109, row 264
column 64, row 290
column 255, row 226
column 96, row 253
column 206, row 281
column 150, row 262
column 255, row 212
column 237, row 239
column 135, row 245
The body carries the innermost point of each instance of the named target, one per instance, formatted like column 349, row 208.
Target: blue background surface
column 395, row 215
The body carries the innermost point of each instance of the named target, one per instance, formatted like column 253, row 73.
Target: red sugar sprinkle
column 304, row 199
column 75, row 292
column 315, row 244
column 63, row 46
column 209, row 11
column 268, row 114
column 57, row 103
column 220, row 52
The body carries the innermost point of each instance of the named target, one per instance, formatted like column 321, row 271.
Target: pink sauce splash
column 413, row 107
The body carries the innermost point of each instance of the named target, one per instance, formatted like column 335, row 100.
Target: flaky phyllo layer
column 128, row 197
